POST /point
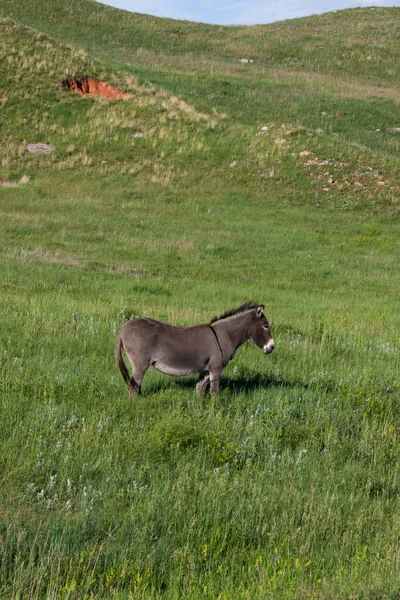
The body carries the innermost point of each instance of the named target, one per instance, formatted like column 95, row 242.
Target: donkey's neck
column 233, row 330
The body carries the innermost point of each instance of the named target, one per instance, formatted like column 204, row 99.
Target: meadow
column 287, row 484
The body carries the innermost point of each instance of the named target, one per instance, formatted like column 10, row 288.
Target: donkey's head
column 259, row 332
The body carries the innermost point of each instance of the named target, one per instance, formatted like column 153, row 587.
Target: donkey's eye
column 266, row 326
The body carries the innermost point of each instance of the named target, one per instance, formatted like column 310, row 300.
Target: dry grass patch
column 320, row 82
column 40, row 255
column 182, row 244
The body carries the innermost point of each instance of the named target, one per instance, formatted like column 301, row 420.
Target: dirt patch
column 93, row 87
column 7, row 183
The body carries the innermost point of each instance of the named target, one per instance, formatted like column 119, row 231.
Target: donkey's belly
column 174, row 370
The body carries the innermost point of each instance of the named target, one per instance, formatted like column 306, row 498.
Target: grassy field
column 287, row 484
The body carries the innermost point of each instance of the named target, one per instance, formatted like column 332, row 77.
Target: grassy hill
column 337, row 59
column 357, row 43
column 286, row 484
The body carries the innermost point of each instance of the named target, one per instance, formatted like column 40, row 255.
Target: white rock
column 40, row 149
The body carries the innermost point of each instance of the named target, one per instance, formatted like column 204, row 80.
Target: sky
column 240, row 12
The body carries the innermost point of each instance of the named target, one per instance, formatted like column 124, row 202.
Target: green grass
column 286, row 485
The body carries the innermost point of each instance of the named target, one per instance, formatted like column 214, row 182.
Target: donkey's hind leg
column 134, row 388
column 138, row 371
column 201, row 385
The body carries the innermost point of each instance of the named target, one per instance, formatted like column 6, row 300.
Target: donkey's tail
column 120, row 362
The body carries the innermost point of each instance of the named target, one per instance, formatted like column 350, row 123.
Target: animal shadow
column 235, row 385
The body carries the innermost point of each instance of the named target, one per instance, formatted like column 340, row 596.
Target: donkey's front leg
column 201, row 385
column 214, row 382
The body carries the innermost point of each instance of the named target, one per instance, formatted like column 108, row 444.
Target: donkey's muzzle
column 269, row 347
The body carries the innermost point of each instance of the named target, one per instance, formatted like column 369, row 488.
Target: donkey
column 179, row 351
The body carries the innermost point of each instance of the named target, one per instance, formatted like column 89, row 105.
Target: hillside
column 306, row 73
column 357, row 129
column 203, row 182
column 359, row 43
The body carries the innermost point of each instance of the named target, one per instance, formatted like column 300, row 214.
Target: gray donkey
column 179, row 351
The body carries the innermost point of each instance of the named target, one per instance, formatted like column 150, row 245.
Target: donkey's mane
column 235, row 311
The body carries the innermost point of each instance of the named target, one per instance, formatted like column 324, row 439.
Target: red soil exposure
column 93, row 87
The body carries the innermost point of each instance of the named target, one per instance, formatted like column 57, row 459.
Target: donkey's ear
column 260, row 310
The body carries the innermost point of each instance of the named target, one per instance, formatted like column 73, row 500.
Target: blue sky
column 241, row 12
